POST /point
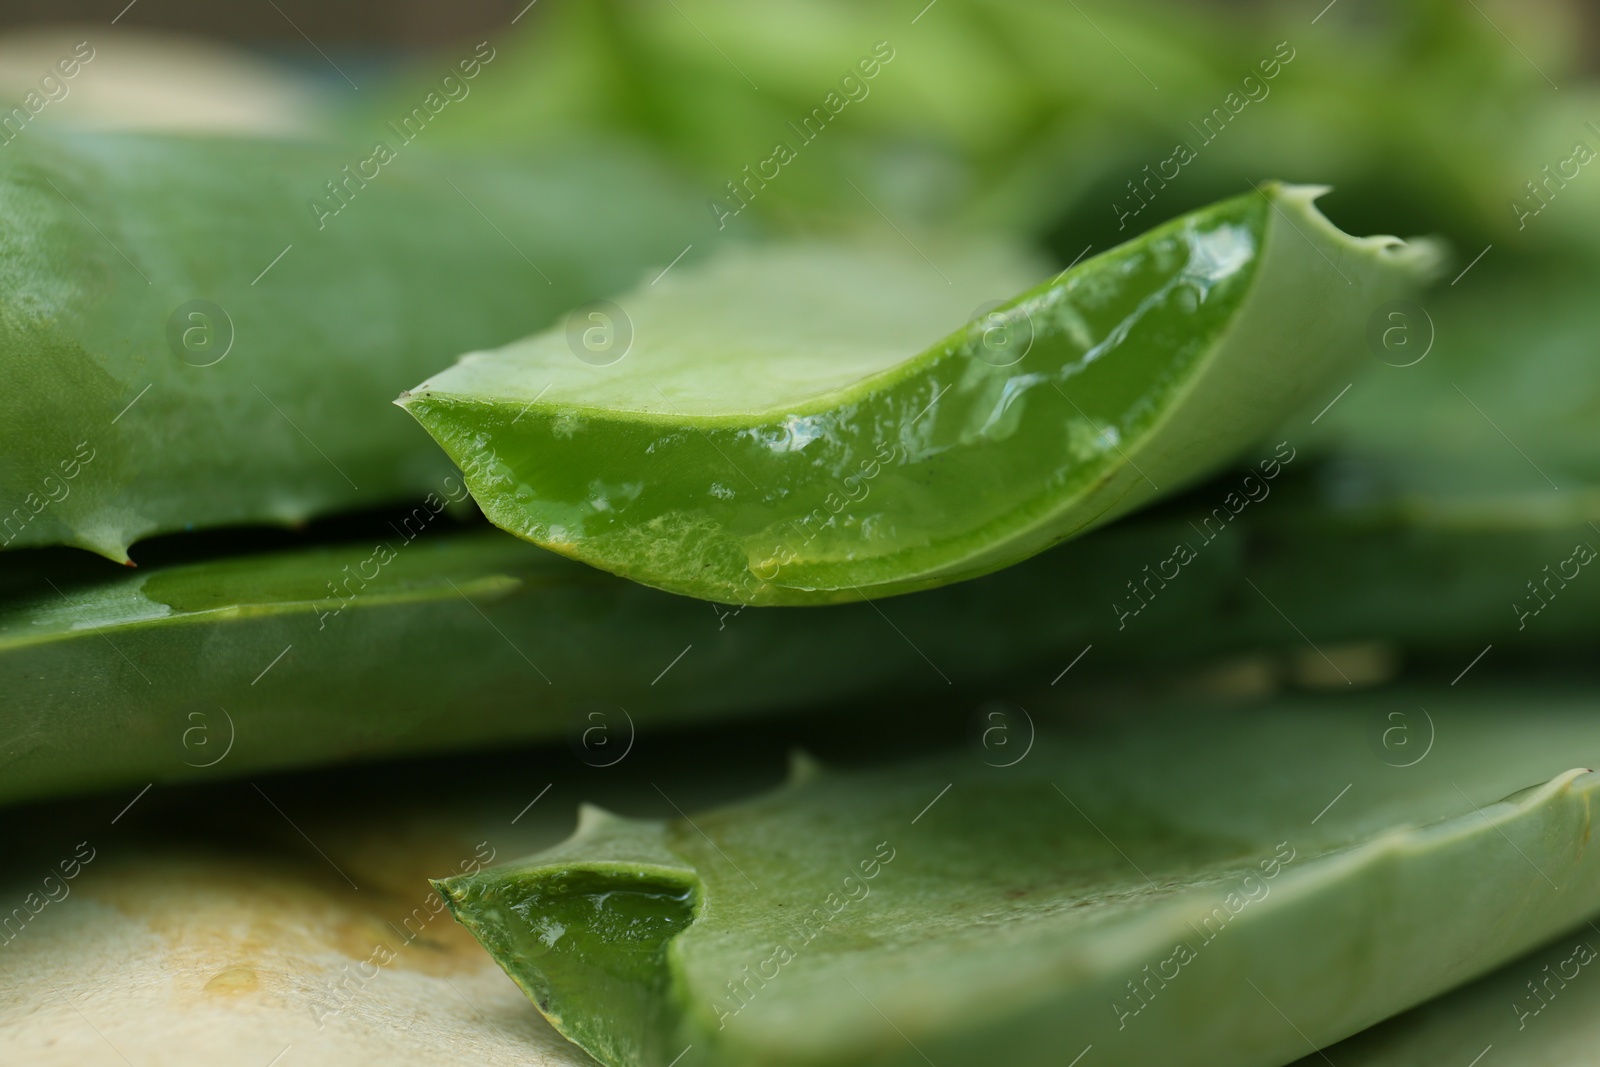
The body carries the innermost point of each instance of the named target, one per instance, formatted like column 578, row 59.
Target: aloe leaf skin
column 1503, row 403
column 767, row 442
column 1348, row 554
column 1538, row 1011
column 158, row 643
column 130, row 410
column 373, row 650
column 1280, row 883
column 389, row 647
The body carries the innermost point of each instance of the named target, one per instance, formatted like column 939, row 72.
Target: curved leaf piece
column 787, row 428
column 206, row 332
column 1261, row 883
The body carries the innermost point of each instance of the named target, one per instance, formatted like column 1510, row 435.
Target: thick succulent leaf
column 1500, row 369
column 1538, row 1011
column 111, row 668
column 400, row 646
column 1308, row 557
column 197, row 333
column 1185, row 889
column 788, row 428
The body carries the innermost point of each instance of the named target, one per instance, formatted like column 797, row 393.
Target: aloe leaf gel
column 788, row 428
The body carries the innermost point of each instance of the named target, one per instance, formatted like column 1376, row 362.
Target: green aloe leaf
column 1542, row 1010
column 204, row 332
column 404, row 644
column 156, row 651
column 1451, row 390
column 428, row 639
column 1301, row 556
column 1261, row 883
column 788, row 427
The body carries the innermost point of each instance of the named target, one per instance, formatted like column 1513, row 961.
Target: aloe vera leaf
column 770, row 440
column 454, row 640
column 164, row 642
column 1509, row 381
column 385, row 648
column 1538, row 1011
column 1348, row 553
column 129, row 409
column 1283, row 887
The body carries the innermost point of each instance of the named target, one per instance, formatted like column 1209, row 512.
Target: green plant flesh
column 786, row 427
column 1262, row 883
column 199, row 332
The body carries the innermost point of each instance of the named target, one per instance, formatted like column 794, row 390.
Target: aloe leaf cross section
column 787, row 425
column 1260, row 882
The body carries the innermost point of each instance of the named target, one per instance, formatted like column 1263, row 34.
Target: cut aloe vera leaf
column 788, row 428
column 189, row 340
column 1259, row 883
column 1538, row 1011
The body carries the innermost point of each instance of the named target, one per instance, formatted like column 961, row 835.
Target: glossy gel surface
column 786, row 426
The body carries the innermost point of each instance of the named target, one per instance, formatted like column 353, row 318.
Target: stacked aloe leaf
column 1208, row 587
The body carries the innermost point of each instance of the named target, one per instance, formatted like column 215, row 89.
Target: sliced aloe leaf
column 201, row 332
column 788, row 428
column 1260, row 883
